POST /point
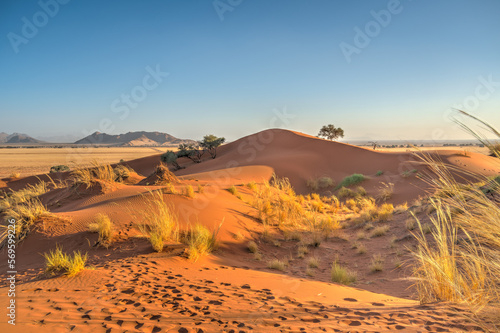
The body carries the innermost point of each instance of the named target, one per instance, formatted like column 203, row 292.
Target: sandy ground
column 32, row 161
column 131, row 288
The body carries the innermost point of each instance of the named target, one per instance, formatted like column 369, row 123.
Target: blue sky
column 233, row 65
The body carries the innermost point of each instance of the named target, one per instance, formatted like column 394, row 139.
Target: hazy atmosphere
column 378, row 69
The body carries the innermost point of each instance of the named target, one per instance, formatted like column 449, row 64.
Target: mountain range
column 134, row 139
column 17, row 138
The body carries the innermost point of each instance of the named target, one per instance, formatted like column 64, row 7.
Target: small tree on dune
column 171, row 157
column 330, row 132
column 210, row 143
column 190, row 151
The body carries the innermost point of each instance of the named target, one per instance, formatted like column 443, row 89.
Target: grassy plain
column 31, row 161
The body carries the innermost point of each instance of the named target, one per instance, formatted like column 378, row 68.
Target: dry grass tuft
column 201, row 241
column 252, row 247
column 160, row 223
column 458, row 260
column 277, row 264
column 88, row 176
column 57, row 261
column 377, row 263
column 385, row 192
column 342, row 275
column 188, row 191
column 313, row 262
column 104, row 227
column 380, row 231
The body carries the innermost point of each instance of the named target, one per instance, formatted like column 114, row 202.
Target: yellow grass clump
column 458, row 256
column 104, row 227
column 277, row 264
column 188, row 191
column 57, row 261
column 341, row 274
column 160, row 223
column 200, row 241
column 88, row 176
column 277, row 204
column 252, row 247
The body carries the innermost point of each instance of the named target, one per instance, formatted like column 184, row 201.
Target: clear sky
column 378, row 69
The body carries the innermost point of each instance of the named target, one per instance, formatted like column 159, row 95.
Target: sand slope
column 130, row 288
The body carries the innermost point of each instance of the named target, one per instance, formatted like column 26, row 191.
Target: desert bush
column 122, row 172
column 252, row 247
column 104, row 229
column 293, row 235
column 76, row 263
column 410, row 223
column 277, row 264
column 88, row 176
column 302, row 251
column 379, row 173
column 26, row 215
column 170, row 157
column 200, row 241
column 14, row 198
column 193, row 152
column 360, row 190
column 352, row 180
column 59, row 168
column 313, row 262
column 160, row 223
column 380, row 231
column 188, row 191
column 57, row 261
column 233, row 190
column 341, row 274
column 386, row 191
column 252, row 185
column 164, row 175
column 384, row 212
column 459, row 259
column 361, row 249
column 345, row 192
column 320, row 183
column 15, row 175
column 377, row 263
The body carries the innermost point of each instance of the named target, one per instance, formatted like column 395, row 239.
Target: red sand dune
column 133, row 289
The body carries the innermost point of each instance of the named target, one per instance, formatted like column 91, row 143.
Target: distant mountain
column 17, row 138
column 133, row 139
column 58, row 138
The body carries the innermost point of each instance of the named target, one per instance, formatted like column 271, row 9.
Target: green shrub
column 59, row 168
column 352, row 180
